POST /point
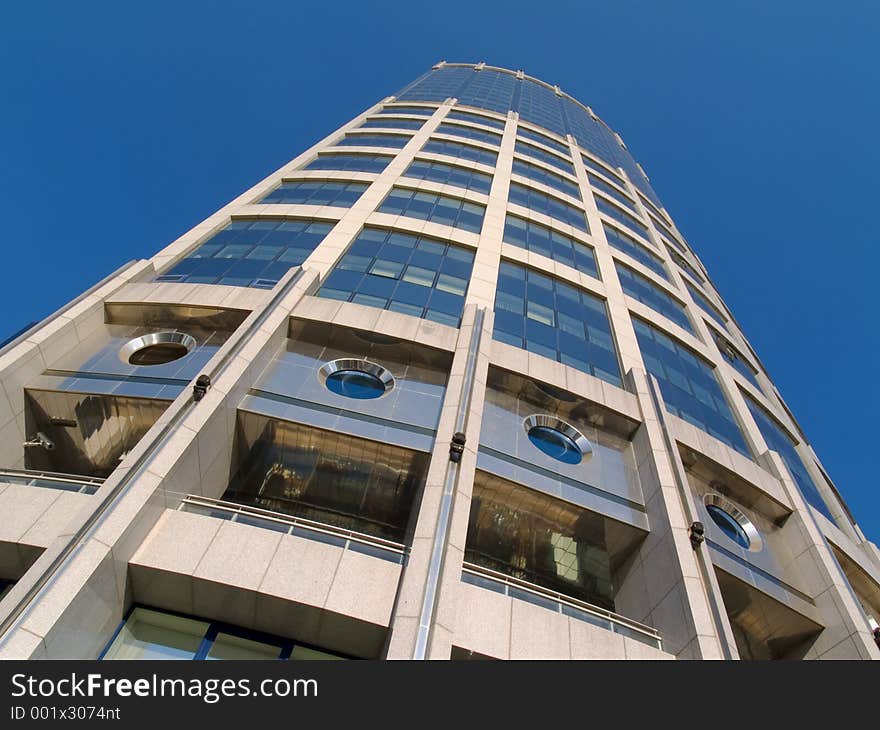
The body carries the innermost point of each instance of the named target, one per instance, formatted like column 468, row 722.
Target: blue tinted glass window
column 316, row 192
column 423, row 110
column 437, row 85
column 355, row 384
column 433, row 207
column 555, row 444
column 374, row 140
column 542, row 175
column 479, row 135
column 543, row 203
column 610, row 190
column 622, row 242
column 389, row 122
column 778, row 440
column 461, row 151
column 665, row 231
column 350, row 162
column 706, row 306
column 683, row 263
column 552, row 244
column 411, row 274
column 442, row 173
column 539, row 105
column 549, row 158
column 250, row 253
column 543, row 139
column 689, row 385
column 647, row 292
column 556, row 320
column 730, row 353
column 487, row 89
column 622, row 217
column 475, row 118
column 653, row 208
column 729, row 526
column 602, row 170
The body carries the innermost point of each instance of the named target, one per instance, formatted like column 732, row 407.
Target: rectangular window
column 622, row 242
column 422, row 110
column 778, row 440
column 475, row 118
column 542, row 175
column 350, row 162
column 664, row 230
column 479, row 135
column 414, row 275
column 522, row 148
column 316, row 192
column 622, row 217
column 684, row 264
column 556, row 320
column 689, row 385
column 442, row 173
column 552, row 244
column 650, row 206
column 389, row 122
column 151, row 634
column 461, row 151
column 543, row 203
column 374, row 140
column 250, row 253
column 613, row 192
column 647, row 292
column 736, row 360
column 707, row 306
column 435, row 208
column 601, row 169
column 544, row 140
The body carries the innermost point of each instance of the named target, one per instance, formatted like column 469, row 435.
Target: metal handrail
column 293, row 521
column 562, row 599
column 89, row 485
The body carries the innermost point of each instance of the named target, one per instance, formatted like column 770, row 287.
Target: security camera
column 41, row 440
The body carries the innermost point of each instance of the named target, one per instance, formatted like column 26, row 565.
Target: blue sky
column 125, row 124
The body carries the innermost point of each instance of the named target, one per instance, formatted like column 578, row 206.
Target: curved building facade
column 449, row 384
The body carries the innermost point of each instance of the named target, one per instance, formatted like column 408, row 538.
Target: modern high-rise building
column 449, row 384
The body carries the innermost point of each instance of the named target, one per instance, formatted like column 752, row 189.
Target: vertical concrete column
column 422, row 624
column 487, row 261
column 668, row 582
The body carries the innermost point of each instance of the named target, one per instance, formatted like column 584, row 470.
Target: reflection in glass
column 355, row 384
column 729, row 526
column 539, row 539
column 156, row 635
column 328, row 477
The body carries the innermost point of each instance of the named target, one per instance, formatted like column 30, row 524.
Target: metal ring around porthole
column 731, row 520
column 157, row 348
column 557, row 439
column 359, row 379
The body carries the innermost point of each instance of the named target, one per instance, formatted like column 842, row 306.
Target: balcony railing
column 51, row 480
column 299, row 526
column 581, row 610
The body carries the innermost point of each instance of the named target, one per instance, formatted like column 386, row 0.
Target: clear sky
column 125, row 124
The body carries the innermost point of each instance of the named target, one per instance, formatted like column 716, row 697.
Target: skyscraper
column 449, row 384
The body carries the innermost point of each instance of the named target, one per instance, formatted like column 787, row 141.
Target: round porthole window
column 557, row 439
column 358, row 379
column 157, row 348
column 733, row 523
